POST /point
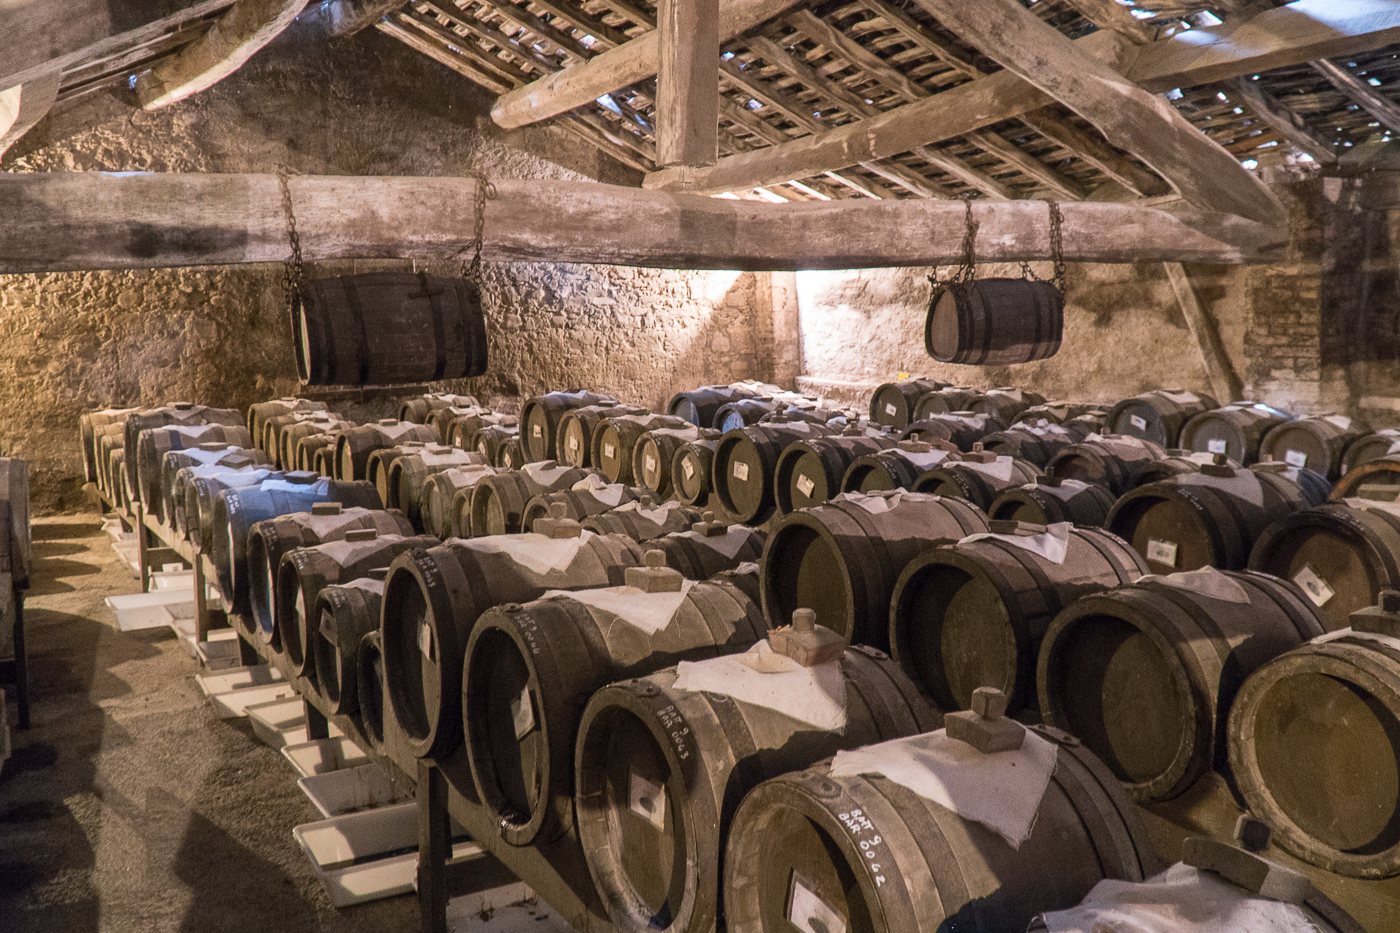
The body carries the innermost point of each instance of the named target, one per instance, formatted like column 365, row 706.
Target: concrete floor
column 129, row 806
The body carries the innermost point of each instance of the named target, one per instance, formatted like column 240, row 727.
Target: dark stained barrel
column 282, row 433
column 388, row 328
column 1158, row 416
column 369, row 686
column 699, row 406
column 1206, row 519
column 511, row 454
column 420, row 409
column 1235, row 430
column 1058, row 412
column 746, row 411
column 435, row 510
column 945, row 401
column 1339, row 555
column 212, row 454
column 1145, row 674
column 259, row 413
column 90, row 425
column 994, row 322
column 184, row 509
column 643, row 523
column 1377, row 479
column 498, row 502
column 656, row 452
column 1314, row 740
column 528, row 668
column 962, row 429
column 1106, row 459
column 745, row 461
column 354, row 445
column 539, row 419
column 408, row 475
column 656, row 861
column 381, row 462
column 883, row 859
column 1371, row 447
column 1314, row 443
column 977, row 477
column 692, row 471
column 495, row 442
column 463, row 429
column 894, row 402
column 1034, row 443
column 592, row 497
column 344, row 611
column 810, row 472
column 615, row 440
column 176, row 413
column 1005, row 403
column 202, row 493
column 154, row 443
column 433, row 597
column 1050, row 499
column 707, row 553
column 897, row 467
column 1176, row 463
column 442, row 419
column 574, row 444
column 310, row 452
column 842, row 558
column 973, row 614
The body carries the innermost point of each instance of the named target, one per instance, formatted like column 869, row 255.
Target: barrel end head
column 1255, row 874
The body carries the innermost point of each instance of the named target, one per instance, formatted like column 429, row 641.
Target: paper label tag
column 688, row 469
column 1161, row 552
column 741, row 471
column 572, row 443
column 810, row 913
column 1296, row 458
column 649, row 463
column 647, row 799
column 1138, row 422
column 537, row 430
column 425, row 640
column 1215, row 446
column 609, row 450
column 522, row 713
column 805, row 484
column 890, row 409
column 1317, row 589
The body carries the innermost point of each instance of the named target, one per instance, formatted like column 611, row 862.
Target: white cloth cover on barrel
column 650, row 612
column 999, row 469
column 1341, row 422
column 1052, row 544
column 1207, row 581
column 814, row 695
column 1181, row 899
column 1182, row 398
column 1380, row 506
column 546, row 471
column 342, row 551
column 656, row 516
column 324, row 525
column 609, row 495
column 1388, row 641
column 924, row 459
column 1001, row 790
column 1067, row 490
column 882, row 501
column 727, row 544
column 1245, row 484
column 539, row 553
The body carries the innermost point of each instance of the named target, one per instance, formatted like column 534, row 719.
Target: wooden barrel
column 1340, row 556
column 1235, row 430
column 994, row 322
column 260, row 412
column 154, row 443
column 1109, row 460
column 105, row 438
column 1058, row 412
column 409, row 476
column 897, row 467
column 692, row 471
column 746, row 411
column 1315, row 443
column 1206, row 519
column 705, row 554
column 693, row 756
column 1005, row 403
column 1033, row 443
column 282, row 434
column 842, row 558
column 961, row 429
column 1314, row 745
column 656, row 451
column 539, row 419
column 574, row 443
column 177, row 413
column 977, row 477
column 699, row 406
column 1373, row 446
column 344, row 611
column 1050, row 499
column 642, row 523
column 435, row 509
column 592, row 497
column 810, row 472
column 16, row 538
column 511, row 454
column 302, row 572
column 744, row 463
column 498, row 502
column 388, row 328
column 529, row 666
column 378, row 468
column 973, row 614
column 420, row 409
column 271, row 538
column 354, row 446
column 493, row 441
column 112, row 462
column 442, row 419
column 945, row 401
column 1145, row 674
column 1176, row 463
column 1380, row 477
column 615, row 440
column 215, row 454
column 184, row 506
column 90, row 424
column 432, row 599
column 1158, row 416
column 307, row 448
column 324, row 461
column 879, row 858
column 369, row 685
column 894, row 402
column 202, row 494
column 463, row 430
column 238, row 509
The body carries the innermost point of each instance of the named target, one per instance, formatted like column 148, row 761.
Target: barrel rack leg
column 247, row 652
column 17, row 671
column 434, row 847
column 201, row 601
column 143, row 547
column 317, row 726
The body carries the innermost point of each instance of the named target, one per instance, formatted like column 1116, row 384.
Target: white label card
column 425, row 640
column 649, row 463
column 1216, row 446
column 572, row 442
column 1161, row 552
column 741, row 471
column 609, row 450
column 1296, row 458
column 1313, row 585
column 688, row 469
column 805, row 484
column 522, row 713
column 810, row 913
column 647, row 799
column 537, row 430
column 890, row 409
column 1138, row 422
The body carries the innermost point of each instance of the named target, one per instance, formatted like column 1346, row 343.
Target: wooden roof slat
column 911, row 30
column 1102, row 156
column 416, row 40
column 628, row 11
column 1008, row 152
column 906, row 178
column 821, row 31
column 1284, row 121
column 581, row 21
column 511, row 46
column 961, row 170
column 1385, row 110
column 567, row 43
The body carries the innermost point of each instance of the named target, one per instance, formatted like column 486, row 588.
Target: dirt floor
column 129, row 806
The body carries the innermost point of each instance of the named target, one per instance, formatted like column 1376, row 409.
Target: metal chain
column 1057, row 252
column 964, row 272
column 293, row 272
column 485, row 191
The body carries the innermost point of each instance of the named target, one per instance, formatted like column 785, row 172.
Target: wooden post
column 317, row 726
column 1223, row 381
column 687, row 84
column 434, row 848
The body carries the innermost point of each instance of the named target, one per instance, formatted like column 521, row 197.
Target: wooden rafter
column 1385, row 110
column 1108, row 14
column 687, row 100
column 1284, row 121
column 24, row 105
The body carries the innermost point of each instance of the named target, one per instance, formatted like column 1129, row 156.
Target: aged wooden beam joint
column 1287, row 123
column 24, row 105
column 1108, row 14
column 687, row 83
column 1385, row 110
column 80, row 221
column 342, row 18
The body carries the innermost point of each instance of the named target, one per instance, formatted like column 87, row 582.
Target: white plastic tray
column 220, row 652
column 151, row 610
column 280, row 723
column 350, row 790
column 232, row 691
column 322, row 755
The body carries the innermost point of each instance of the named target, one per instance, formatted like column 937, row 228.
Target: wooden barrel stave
column 353, row 446
column 641, row 523
column 439, row 493
column 810, row 472
column 1005, row 403
column 539, row 419
column 1050, row 499
column 1378, row 475
column 994, row 322
column 698, row 556
column 172, row 493
column 961, row 428
column 1158, row 416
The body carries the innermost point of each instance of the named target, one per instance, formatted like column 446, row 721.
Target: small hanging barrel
column 1314, row 739
column 354, row 445
column 1033, row 443
column 897, row 467
column 1050, row 500
column 977, row 477
column 1377, row 479
column 212, row 454
column 1158, row 416
column 962, row 429
column 90, row 425
column 710, row 549
column 616, row 439
column 973, row 614
column 1206, row 519
column 894, row 402
column 432, row 599
column 810, row 472
column 1339, row 555
column 643, row 523
column 574, row 444
column 1314, row 443
column 699, row 406
column 408, row 475
column 1236, row 430
column 369, row 686
column 945, row 401
column 183, row 506
column 1110, row 460
column 498, row 502
column 692, row 471
column 202, row 493
column 435, row 509
column 344, row 611
column 842, row 558
column 154, row 443
column 1382, row 443
column 744, row 463
column 1064, row 412
column 1005, row 403
column 871, row 855
column 994, row 322
column 388, row 328
column 656, row 451
column 659, row 771
column 1145, row 674
column 594, row 497
column 539, row 419
column 529, row 666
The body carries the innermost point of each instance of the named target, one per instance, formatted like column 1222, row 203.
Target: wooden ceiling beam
column 528, row 21
column 1027, row 164
column 1385, row 110
column 1097, row 153
column 1284, row 121
column 820, row 31
column 584, row 23
column 842, row 97
column 905, row 25
column 417, row 40
column 972, row 177
column 771, row 97
column 491, row 34
column 343, row 18
column 24, row 105
column 630, row 11
column 907, row 178
column 80, row 221
column 1108, row 14
column 687, row 83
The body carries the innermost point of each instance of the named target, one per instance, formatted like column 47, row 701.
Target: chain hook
column 293, row 271
column 483, row 191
